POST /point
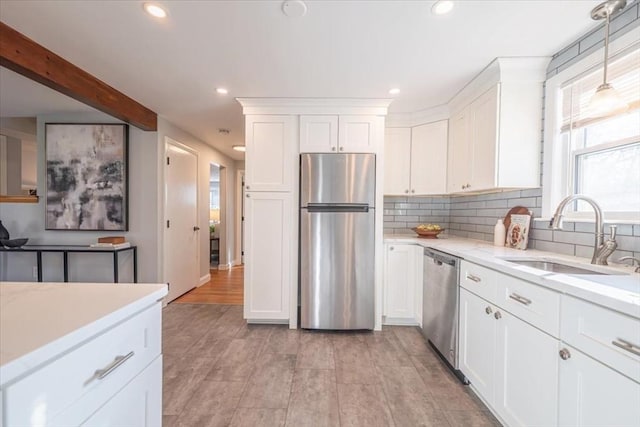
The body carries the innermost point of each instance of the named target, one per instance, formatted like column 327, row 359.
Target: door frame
column 165, row 247
column 239, row 222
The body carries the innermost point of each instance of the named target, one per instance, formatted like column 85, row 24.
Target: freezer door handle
column 338, row 208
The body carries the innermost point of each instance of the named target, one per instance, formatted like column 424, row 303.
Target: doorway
column 181, row 237
column 214, row 216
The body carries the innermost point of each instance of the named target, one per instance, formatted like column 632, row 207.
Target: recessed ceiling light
column 441, row 7
column 394, row 91
column 239, row 148
column 155, row 10
column 222, row 91
column 294, row 8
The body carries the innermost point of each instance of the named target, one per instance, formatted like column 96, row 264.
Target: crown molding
column 378, row 107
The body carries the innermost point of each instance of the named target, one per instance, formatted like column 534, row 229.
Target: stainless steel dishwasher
column 440, row 304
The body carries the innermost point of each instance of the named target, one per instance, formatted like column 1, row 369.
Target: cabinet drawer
column 127, row 348
column 602, row 334
column 479, row 280
column 531, row 303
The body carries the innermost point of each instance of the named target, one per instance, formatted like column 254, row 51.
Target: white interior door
column 181, row 219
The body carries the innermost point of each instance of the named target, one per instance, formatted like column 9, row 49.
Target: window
column 598, row 157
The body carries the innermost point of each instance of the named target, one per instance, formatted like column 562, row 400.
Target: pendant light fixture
column 606, row 100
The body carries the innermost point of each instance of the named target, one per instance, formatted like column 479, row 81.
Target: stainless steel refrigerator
column 337, row 204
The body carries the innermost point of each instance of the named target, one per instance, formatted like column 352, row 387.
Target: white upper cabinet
column 339, row 133
column 318, row 134
column 397, row 160
column 416, row 159
column 429, row 158
column 270, row 155
column 357, row 134
column 459, row 160
column 496, row 123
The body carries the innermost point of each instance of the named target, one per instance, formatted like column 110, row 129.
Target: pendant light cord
column 606, row 46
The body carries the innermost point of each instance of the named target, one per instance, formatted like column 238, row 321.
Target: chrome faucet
column 601, row 249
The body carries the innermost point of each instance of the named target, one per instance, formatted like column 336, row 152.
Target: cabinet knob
column 564, row 354
column 341, row 148
column 406, row 191
column 413, row 191
column 333, row 148
column 247, row 187
column 248, row 195
column 497, row 315
column 488, row 310
column 463, row 187
column 391, row 248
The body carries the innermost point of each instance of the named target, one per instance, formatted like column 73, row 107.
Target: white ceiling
column 356, row 49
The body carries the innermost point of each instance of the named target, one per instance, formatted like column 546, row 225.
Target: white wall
column 27, row 220
column 206, row 156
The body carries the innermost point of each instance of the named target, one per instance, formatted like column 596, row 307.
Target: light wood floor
column 225, row 287
column 219, row 371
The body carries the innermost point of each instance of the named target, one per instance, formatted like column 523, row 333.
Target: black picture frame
column 87, row 184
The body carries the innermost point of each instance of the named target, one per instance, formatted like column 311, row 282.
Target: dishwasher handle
column 440, row 258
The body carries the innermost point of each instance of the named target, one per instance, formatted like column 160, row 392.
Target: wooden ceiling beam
column 26, row 57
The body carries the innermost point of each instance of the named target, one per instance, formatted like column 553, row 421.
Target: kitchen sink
column 559, row 267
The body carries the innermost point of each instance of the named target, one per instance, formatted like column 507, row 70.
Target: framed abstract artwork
column 87, row 176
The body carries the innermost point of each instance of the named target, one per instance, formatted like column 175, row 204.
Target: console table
column 65, row 250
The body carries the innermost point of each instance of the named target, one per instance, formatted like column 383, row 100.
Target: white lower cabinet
column 526, row 378
column 594, row 395
column 138, row 404
column 112, row 379
column 477, row 349
column 268, row 256
column 511, row 364
column 600, row 366
column 403, row 284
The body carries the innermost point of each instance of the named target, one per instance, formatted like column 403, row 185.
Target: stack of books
column 111, row 242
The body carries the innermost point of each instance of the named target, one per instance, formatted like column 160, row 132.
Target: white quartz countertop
column 618, row 292
column 39, row 321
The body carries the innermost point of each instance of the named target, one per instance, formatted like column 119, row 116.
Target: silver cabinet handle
column 497, row 315
column 626, row 345
column 520, row 299
column 564, row 354
column 104, row 372
column 473, row 278
column 488, row 310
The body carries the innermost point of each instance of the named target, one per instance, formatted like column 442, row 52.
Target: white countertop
column 622, row 293
column 39, row 321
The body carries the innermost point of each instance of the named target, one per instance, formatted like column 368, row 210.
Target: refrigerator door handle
column 323, row 207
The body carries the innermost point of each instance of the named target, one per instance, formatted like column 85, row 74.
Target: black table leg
column 115, row 266
column 39, row 265
column 135, row 265
column 65, row 267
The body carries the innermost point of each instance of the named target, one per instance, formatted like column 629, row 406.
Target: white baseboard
column 269, row 321
column 392, row 321
column 204, row 279
column 224, row 266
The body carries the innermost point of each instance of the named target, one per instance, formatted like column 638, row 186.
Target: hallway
column 225, row 287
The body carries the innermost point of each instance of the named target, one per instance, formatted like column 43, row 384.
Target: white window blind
column 623, row 75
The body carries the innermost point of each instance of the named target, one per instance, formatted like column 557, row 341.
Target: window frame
column 558, row 160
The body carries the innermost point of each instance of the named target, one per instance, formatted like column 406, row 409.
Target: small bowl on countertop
column 13, row 243
column 427, row 234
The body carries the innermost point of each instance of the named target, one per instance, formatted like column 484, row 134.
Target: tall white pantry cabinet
column 276, row 132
